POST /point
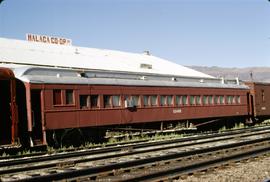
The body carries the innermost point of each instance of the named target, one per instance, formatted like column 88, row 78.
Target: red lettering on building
column 48, row 39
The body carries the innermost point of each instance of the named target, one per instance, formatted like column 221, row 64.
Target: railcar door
column 36, row 117
column 5, row 112
column 8, row 108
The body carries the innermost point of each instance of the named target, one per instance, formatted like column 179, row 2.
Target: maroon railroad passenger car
column 53, row 100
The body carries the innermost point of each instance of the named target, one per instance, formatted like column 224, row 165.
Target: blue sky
column 228, row 33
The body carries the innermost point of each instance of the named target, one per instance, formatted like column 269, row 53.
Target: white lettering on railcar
column 48, row 39
column 175, row 111
column 263, row 108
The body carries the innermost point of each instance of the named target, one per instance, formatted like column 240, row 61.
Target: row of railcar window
column 66, row 97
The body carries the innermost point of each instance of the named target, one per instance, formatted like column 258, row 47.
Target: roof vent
column 58, row 75
column 222, row 80
column 82, row 75
column 143, row 78
column 147, row 53
column 77, row 51
column 237, row 81
column 145, row 66
column 201, row 80
column 174, row 79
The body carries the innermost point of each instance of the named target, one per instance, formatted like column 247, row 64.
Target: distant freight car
column 259, row 100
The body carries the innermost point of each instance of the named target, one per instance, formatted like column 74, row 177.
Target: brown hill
column 261, row 74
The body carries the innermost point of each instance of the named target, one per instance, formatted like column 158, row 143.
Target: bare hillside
column 261, row 74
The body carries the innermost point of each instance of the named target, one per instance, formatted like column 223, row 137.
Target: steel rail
column 19, row 161
column 127, row 164
column 56, row 163
column 187, row 136
column 176, row 172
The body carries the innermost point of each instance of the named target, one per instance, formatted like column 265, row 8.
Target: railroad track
column 134, row 162
column 18, row 152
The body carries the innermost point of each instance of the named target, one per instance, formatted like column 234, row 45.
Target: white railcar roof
column 33, row 53
column 42, row 75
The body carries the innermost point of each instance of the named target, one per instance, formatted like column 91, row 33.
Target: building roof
column 49, row 55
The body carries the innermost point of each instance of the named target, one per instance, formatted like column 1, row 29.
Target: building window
column 69, row 97
column 57, row 97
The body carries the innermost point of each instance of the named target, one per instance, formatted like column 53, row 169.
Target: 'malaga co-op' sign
column 48, row 39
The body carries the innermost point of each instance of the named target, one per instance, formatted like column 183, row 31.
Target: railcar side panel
column 75, row 114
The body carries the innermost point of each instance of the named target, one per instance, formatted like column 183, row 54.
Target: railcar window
column 162, row 100
column 184, row 100
column 221, row 99
column 192, row 100
column 210, row 99
column 205, row 99
column 263, row 96
column 178, row 100
column 198, row 99
column 94, row 101
column 166, row 100
column 69, row 97
column 127, row 101
column 131, row 101
column 233, row 100
column 135, row 100
column 84, row 101
column 230, row 99
column 238, row 99
column 57, row 97
column 146, row 100
column 153, row 100
column 116, row 100
column 107, row 101
column 169, row 100
column 216, row 99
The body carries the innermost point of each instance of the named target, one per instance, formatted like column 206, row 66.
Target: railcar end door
column 37, row 134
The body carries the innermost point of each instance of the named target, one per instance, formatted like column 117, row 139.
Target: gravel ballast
column 253, row 170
